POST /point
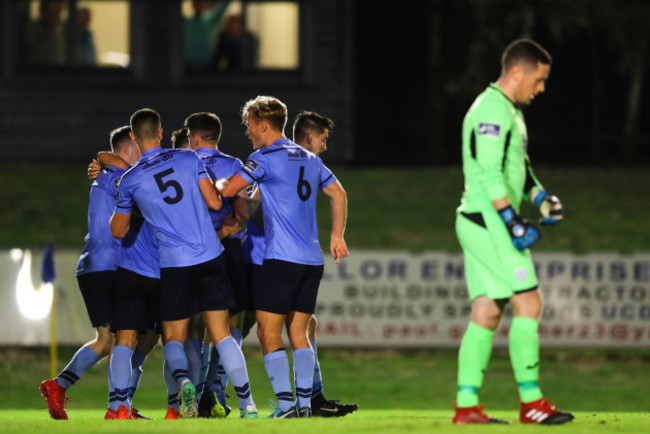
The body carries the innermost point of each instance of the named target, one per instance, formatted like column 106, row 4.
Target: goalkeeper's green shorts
column 493, row 265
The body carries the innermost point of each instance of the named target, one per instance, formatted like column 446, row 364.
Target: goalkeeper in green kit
column 495, row 239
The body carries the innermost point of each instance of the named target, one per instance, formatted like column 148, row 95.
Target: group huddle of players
column 166, row 256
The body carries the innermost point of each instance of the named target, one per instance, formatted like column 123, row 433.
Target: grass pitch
column 397, row 391
column 365, row 421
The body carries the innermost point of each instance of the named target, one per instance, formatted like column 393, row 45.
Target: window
column 240, row 35
column 84, row 33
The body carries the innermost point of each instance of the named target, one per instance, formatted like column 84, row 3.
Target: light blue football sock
column 112, row 400
column 205, row 363
column 303, row 370
column 137, row 359
column 277, row 368
column 172, row 387
column 175, row 356
column 317, row 381
column 193, row 352
column 83, row 360
column 121, row 373
column 222, row 374
column 234, row 364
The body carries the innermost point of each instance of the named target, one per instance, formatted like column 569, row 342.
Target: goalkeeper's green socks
column 524, row 356
column 473, row 358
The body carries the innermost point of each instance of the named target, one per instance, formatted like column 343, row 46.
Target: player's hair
column 266, row 108
column 526, row 52
column 120, row 137
column 180, row 139
column 310, row 122
column 206, row 125
column 145, row 124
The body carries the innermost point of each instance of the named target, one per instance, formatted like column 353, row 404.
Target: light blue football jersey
column 139, row 249
column 289, row 178
column 100, row 252
column 253, row 244
column 220, row 165
column 165, row 186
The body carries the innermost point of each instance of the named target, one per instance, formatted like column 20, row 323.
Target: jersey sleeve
column 201, row 170
column 326, row 175
column 531, row 180
column 254, row 169
column 490, row 130
column 124, row 198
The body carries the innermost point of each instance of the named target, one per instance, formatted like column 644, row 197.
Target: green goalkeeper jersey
column 495, row 158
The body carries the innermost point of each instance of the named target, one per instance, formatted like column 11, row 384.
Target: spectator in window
column 86, row 54
column 236, row 47
column 45, row 37
column 200, row 30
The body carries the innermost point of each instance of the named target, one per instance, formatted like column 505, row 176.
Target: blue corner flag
column 47, row 270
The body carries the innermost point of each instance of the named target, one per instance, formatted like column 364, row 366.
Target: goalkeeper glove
column 550, row 208
column 522, row 232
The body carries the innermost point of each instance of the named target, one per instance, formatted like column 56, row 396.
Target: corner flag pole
column 53, row 355
column 48, row 276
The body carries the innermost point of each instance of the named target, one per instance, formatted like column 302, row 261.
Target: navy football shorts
column 136, row 301
column 186, row 291
column 281, row 286
column 96, row 288
column 235, row 266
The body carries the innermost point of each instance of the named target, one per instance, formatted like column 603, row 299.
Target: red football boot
column 543, row 412
column 110, row 414
column 172, row 413
column 54, row 394
column 123, row 413
column 475, row 414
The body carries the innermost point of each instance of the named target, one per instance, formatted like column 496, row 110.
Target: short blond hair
column 266, row 108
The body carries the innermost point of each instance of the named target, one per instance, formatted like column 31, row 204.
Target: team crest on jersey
column 492, row 130
column 251, row 165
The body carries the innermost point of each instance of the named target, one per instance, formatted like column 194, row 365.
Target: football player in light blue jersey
column 172, row 188
column 204, row 132
column 95, row 275
column 286, row 287
column 311, row 131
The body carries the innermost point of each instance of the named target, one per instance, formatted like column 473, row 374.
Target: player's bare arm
column 106, row 158
column 120, row 224
column 339, row 204
column 210, row 194
column 235, row 184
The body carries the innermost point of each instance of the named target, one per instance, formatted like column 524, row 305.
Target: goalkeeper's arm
column 522, row 232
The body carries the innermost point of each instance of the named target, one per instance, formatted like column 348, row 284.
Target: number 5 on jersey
column 163, row 186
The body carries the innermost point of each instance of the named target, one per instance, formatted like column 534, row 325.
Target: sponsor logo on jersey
column 251, row 165
column 296, row 154
column 492, row 130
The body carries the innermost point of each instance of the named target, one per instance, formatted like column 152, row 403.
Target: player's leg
column 193, row 347
column 524, row 356
column 121, row 370
column 320, row 405
column 177, row 305
column 175, row 333
column 95, row 289
column 473, row 358
column 489, row 291
column 215, row 299
column 233, row 257
column 276, row 362
column 303, row 360
column 147, row 340
column 173, row 404
column 302, row 309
